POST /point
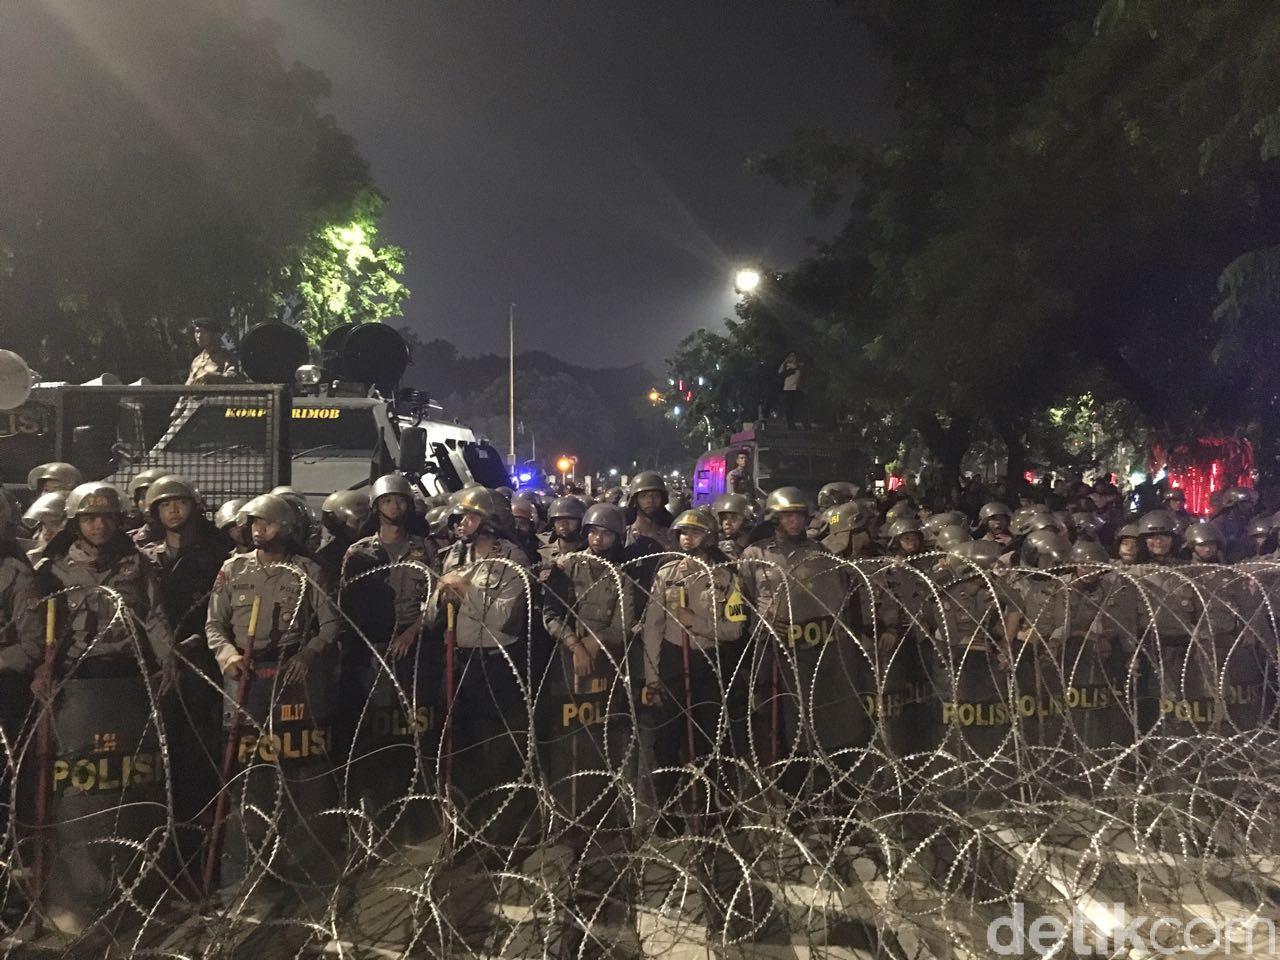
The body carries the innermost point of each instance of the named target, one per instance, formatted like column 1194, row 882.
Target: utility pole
column 511, row 388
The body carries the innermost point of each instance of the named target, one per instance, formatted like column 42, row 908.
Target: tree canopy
column 162, row 163
column 1077, row 199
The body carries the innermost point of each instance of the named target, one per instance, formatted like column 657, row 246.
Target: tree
column 342, row 275
column 160, row 163
column 1076, row 200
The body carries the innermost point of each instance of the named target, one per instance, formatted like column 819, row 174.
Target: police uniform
column 587, row 729
column 20, row 652
column 1083, row 712
column 186, row 577
column 975, row 720
column 714, row 682
column 382, row 588
column 489, row 721
column 805, row 650
column 285, row 730
column 894, row 612
column 109, row 775
column 293, row 609
column 214, row 362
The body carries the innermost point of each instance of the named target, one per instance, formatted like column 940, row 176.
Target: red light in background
column 1202, row 467
column 894, row 482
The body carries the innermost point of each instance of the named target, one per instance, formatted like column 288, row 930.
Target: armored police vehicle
column 335, row 425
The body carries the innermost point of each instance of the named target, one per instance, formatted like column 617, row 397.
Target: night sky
column 586, row 160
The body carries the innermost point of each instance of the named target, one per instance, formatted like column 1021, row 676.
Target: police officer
column 343, row 515
column 439, row 534
column 1175, row 502
column 485, row 582
column 901, row 592
column 111, row 632
column 738, row 480
column 694, row 629
column 387, row 604
column 969, row 658
column 835, row 493
column 906, row 538
column 650, row 520
column 1204, row 542
column 649, row 534
column 730, row 511
column 54, row 478
column 231, row 522
column 993, row 523
column 1158, row 530
column 189, row 556
column 524, row 524
column 212, row 364
column 565, row 533
column 272, row 626
column 46, row 517
column 136, row 523
column 846, row 532
column 804, row 643
column 1128, row 545
column 385, row 578
column 20, row 652
column 1238, row 505
column 1260, row 536
column 588, row 740
column 302, row 626
column 306, row 525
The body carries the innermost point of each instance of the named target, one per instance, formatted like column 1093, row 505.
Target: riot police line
column 224, row 713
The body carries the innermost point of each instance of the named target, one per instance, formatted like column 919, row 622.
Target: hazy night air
column 587, row 161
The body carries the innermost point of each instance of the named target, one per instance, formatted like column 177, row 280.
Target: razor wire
column 882, row 757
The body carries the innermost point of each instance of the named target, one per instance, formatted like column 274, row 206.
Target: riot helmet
column 93, row 499
column 345, row 510
column 993, row 509
column 273, row 508
column 48, row 509
column 390, row 484
column 228, row 515
column 55, row 477
column 645, row 482
column 1088, row 551
column 139, row 485
column 607, row 516
column 835, row 493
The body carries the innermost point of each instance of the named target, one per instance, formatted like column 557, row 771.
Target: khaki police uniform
column 587, row 732
column 286, row 730
column 489, row 722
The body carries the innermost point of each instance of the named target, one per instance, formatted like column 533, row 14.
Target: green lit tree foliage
column 342, row 274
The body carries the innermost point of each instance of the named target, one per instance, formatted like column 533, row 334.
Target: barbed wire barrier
column 872, row 758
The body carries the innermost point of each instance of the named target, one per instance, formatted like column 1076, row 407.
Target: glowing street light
column 746, row 280
column 655, row 397
column 565, row 465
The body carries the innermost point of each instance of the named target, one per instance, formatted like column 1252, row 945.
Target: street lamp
column 746, row 280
